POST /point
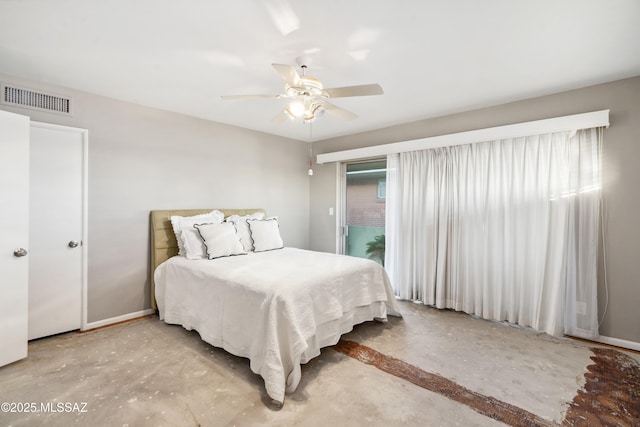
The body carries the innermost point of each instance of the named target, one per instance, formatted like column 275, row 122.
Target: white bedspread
column 277, row 308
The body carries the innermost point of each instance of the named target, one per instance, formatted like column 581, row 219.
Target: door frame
column 341, row 201
column 341, row 211
column 84, row 133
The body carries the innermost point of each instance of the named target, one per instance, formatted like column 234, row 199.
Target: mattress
column 276, row 308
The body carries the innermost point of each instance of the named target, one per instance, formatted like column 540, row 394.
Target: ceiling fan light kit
column 309, row 99
column 306, row 110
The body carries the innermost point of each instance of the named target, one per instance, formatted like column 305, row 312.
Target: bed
column 277, row 308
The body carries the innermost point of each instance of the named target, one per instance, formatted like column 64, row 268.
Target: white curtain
column 506, row 230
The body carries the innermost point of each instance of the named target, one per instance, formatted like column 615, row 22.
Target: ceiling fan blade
column 231, row 97
column 341, row 113
column 288, row 74
column 281, row 117
column 360, row 90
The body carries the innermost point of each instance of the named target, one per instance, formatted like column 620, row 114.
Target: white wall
column 142, row 159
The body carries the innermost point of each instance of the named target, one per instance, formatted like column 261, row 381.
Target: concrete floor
column 147, row 373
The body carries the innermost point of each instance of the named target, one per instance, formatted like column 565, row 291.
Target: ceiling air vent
column 35, row 100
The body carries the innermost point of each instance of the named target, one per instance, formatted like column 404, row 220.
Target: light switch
column 331, row 211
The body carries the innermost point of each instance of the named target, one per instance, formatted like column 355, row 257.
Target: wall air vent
column 35, row 100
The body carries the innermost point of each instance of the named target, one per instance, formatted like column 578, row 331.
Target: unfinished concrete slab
column 146, row 372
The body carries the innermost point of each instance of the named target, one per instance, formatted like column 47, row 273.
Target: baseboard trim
column 631, row 345
column 117, row 319
column 611, row 342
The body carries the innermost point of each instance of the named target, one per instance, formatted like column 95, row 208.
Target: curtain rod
column 537, row 127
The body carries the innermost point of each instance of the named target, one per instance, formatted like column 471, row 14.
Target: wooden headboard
column 163, row 240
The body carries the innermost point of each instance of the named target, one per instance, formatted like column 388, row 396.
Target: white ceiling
column 430, row 57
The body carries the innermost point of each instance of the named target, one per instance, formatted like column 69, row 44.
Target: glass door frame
column 341, row 208
column 341, row 201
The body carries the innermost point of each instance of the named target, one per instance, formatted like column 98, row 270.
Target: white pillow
column 193, row 244
column 220, row 239
column 265, row 234
column 181, row 223
column 243, row 228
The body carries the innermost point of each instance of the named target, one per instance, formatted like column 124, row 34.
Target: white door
column 14, row 235
column 55, row 227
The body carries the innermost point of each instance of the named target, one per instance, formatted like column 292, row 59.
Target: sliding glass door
column 364, row 209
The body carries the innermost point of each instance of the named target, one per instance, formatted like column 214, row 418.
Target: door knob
column 73, row 244
column 20, row 252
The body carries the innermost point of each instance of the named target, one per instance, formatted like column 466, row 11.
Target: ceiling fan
column 309, row 99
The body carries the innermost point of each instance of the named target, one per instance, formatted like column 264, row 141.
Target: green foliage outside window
column 375, row 249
